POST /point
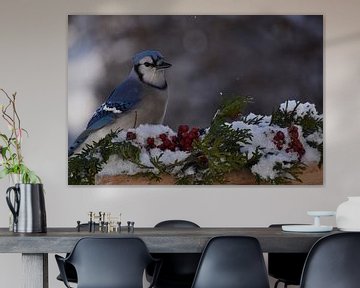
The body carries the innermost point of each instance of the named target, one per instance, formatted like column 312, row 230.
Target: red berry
column 195, row 130
column 279, row 136
column 293, row 132
column 183, row 128
column 167, row 142
column 193, row 135
column 295, row 145
column 183, row 135
column 161, row 147
column 130, row 136
column 188, row 141
column 163, row 136
column 172, row 147
column 279, row 140
column 150, row 140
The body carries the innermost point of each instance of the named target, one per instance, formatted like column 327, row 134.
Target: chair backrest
column 286, row 267
column 110, row 262
column 176, row 224
column 232, row 262
column 178, row 269
column 333, row 262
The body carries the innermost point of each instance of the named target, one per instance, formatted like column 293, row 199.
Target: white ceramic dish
column 321, row 213
column 306, row 228
column 350, row 229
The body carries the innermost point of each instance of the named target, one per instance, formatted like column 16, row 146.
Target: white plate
column 306, row 228
column 321, row 213
column 350, row 229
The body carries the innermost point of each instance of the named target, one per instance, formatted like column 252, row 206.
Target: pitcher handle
column 13, row 208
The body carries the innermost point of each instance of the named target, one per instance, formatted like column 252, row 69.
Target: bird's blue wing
column 122, row 99
column 101, row 118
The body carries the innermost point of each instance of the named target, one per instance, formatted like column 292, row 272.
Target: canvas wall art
column 195, row 100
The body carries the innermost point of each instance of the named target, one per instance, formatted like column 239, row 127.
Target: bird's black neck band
column 141, row 77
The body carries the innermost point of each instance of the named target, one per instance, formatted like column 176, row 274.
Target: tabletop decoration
column 25, row 197
column 311, row 228
column 348, row 214
column 11, row 158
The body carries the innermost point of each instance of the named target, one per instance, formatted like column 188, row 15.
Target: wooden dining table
column 35, row 247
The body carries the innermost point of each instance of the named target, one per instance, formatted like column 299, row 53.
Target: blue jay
column 141, row 98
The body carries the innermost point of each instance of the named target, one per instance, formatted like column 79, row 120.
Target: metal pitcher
column 28, row 207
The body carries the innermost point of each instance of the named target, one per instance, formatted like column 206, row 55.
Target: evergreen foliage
column 84, row 166
column 310, row 124
column 213, row 155
column 284, row 118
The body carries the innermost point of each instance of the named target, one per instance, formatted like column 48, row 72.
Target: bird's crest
column 155, row 55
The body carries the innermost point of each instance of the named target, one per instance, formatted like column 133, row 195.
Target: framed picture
column 188, row 100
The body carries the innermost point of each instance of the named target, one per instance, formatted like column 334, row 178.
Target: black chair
column 286, row 267
column 178, row 269
column 108, row 263
column 333, row 262
column 69, row 269
column 232, row 262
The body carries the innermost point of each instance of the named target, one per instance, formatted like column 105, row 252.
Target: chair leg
column 279, row 281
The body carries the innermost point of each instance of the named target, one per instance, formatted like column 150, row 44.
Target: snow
column 168, row 157
column 302, row 110
column 265, row 119
column 117, row 166
column 265, row 167
column 315, row 137
column 262, row 141
column 145, row 131
column 263, row 138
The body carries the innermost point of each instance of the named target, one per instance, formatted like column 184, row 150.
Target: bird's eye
column 147, row 64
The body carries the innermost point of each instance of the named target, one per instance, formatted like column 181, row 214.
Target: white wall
column 33, row 62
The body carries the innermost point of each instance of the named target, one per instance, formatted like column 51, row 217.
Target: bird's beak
column 163, row 65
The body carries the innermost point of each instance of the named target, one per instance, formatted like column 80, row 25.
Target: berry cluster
column 130, row 136
column 294, row 146
column 183, row 141
column 279, row 140
column 185, row 137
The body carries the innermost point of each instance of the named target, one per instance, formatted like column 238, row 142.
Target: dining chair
column 70, row 271
column 108, row 263
column 178, row 269
column 231, row 262
column 333, row 262
column 285, row 267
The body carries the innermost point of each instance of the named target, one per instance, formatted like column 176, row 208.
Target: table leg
column 35, row 270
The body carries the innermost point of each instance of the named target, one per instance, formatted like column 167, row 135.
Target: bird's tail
column 79, row 140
